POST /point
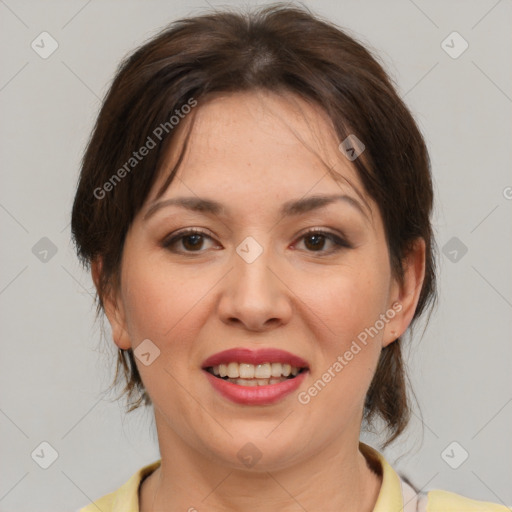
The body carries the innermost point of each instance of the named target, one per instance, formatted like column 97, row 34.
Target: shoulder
column 104, row 504
column 444, row 501
column 126, row 498
column 397, row 493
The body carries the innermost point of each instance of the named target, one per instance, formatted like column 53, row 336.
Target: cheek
column 343, row 314
column 165, row 311
column 169, row 307
column 349, row 301
column 158, row 306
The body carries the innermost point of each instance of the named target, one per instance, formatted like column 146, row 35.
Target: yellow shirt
column 395, row 495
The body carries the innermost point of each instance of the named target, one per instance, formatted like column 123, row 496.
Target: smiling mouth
column 246, row 374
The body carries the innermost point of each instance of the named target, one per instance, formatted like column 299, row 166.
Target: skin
column 252, row 152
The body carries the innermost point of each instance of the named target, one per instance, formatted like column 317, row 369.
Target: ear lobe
column 406, row 293
column 113, row 308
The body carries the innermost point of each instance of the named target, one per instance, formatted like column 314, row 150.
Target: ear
column 404, row 296
column 113, row 307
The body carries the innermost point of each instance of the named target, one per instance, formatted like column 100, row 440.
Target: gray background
column 54, row 366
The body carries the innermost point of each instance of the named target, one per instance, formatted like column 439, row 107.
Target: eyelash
column 339, row 242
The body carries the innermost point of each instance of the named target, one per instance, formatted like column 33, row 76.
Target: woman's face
column 256, row 277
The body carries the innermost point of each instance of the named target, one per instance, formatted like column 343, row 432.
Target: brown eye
column 315, row 241
column 188, row 241
column 192, row 242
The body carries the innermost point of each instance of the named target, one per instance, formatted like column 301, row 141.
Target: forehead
column 261, row 145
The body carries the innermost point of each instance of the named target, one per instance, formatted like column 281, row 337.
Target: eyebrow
column 290, row 208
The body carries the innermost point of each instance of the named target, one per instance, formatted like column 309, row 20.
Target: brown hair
column 277, row 48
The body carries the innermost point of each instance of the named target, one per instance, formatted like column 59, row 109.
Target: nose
column 254, row 295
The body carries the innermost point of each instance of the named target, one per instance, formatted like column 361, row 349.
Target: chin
column 253, row 449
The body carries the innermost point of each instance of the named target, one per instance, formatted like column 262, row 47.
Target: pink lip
column 259, row 356
column 255, row 395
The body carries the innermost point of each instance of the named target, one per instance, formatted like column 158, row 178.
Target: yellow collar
column 390, row 495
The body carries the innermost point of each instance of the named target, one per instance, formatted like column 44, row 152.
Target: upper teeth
column 251, row 371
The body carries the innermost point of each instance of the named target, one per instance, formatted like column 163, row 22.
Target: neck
column 336, row 478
